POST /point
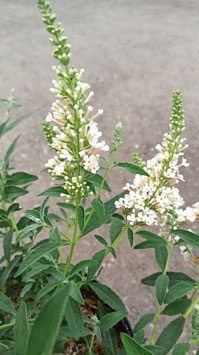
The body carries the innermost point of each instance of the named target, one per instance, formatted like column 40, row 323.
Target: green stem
column 158, row 308
column 191, row 308
column 91, row 344
column 74, row 241
column 7, row 325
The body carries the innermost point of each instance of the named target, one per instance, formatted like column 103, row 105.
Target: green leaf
column 107, row 351
column 189, row 238
column 69, row 206
column 115, row 229
column 46, row 325
column 181, row 349
column 6, row 305
column 46, row 290
column 97, row 259
column 110, row 208
column 76, row 294
column 14, row 207
column 10, row 150
column 171, row 334
column 12, row 192
column 143, row 321
column 139, row 337
column 21, row 330
column 161, row 285
column 74, row 318
column 80, row 267
column 108, row 296
column 177, row 291
column 96, row 180
column 133, row 169
column 29, row 230
column 110, row 319
column 25, row 289
column 156, row 350
column 16, row 122
column 7, row 244
column 35, row 271
column 161, row 255
column 54, row 191
column 99, row 210
column 174, row 278
column 101, row 240
column 35, row 255
column 20, row 178
column 130, row 236
column 132, row 347
column 8, row 270
column 153, row 240
column 81, row 214
column 178, row 306
column 42, row 211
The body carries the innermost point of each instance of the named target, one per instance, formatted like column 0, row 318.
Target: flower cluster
column 70, row 128
column 151, row 197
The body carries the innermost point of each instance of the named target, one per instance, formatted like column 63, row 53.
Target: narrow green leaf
column 174, row 278
column 133, row 169
column 161, row 285
column 151, row 237
column 171, row 334
column 46, row 325
column 6, row 305
column 189, row 238
column 108, row 296
column 97, row 259
column 74, row 318
column 101, row 240
column 110, row 319
column 42, row 211
column 35, row 271
column 35, row 255
column 69, row 206
column 132, row 347
column 149, row 244
column 81, row 215
column 96, row 180
column 29, row 230
column 178, row 306
column 177, row 291
column 156, row 350
column 7, row 243
column 143, row 321
column 21, row 330
column 76, row 294
column 11, row 149
column 16, row 122
column 130, row 236
column 107, row 351
column 116, row 228
column 8, row 270
column 181, row 349
column 46, row 290
column 21, row 178
column 12, row 192
column 80, row 267
column 99, row 210
column 139, row 337
column 54, row 191
column 161, row 255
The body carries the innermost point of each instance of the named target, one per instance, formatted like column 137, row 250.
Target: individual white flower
column 49, row 117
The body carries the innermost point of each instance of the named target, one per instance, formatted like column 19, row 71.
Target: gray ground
column 136, row 53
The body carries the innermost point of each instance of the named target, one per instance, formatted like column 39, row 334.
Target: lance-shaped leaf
column 116, row 228
column 7, row 243
column 54, row 191
column 96, row 180
column 108, row 296
column 153, row 240
column 81, row 214
column 99, row 210
column 35, row 255
column 188, row 237
column 133, row 169
column 21, row 330
column 132, row 347
column 174, row 278
column 46, row 325
column 6, row 305
column 10, row 149
column 110, row 319
column 20, row 178
column 177, row 291
column 161, row 285
column 143, row 321
column 178, row 306
column 171, row 334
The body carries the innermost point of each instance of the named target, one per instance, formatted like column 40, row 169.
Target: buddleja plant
column 43, row 294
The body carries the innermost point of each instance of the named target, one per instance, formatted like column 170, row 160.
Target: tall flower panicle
column 151, row 198
column 70, row 127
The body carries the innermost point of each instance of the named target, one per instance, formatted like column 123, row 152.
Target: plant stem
column 74, row 241
column 7, row 325
column 152, row 342
column 91, row 344
column 191, row 308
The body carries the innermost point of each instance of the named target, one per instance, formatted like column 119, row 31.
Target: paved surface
column 136, row 53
